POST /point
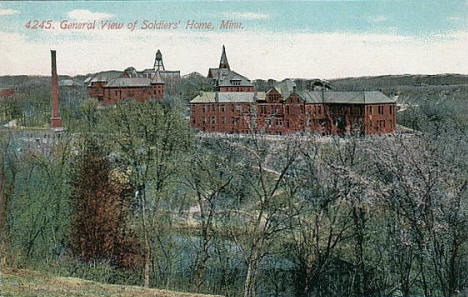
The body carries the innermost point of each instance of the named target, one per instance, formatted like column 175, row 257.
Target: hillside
column 24, row 283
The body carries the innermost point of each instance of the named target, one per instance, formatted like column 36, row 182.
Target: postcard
column 234, row 148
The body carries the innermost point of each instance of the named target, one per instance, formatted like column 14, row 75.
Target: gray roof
column 216, row 73
column 226, row 81
column 330, row 97
column 345, row 97
column 67, row 83
column 104, row 77
column 163, row 73
column 285, row 88
column 131, row 82
column 226, row 97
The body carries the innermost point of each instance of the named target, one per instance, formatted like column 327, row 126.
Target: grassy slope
column 24, row 283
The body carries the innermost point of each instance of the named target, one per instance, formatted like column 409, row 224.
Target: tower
column 158, row 62
column 223, row 63
column 55, row 120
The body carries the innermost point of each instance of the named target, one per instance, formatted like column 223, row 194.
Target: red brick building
column 284, row 110
column 113, row 86
column 226, row 80
column 7, row 92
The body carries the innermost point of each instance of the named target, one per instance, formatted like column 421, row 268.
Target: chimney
column 55, row 120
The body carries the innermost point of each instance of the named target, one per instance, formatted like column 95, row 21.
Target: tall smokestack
column 55, row 120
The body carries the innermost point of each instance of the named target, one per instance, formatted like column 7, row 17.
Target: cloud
column 274, row 55
column 8, row 11
column 87, row 15
column 377, row 19
column 247, row 15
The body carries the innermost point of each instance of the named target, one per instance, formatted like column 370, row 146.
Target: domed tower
column 158, row 62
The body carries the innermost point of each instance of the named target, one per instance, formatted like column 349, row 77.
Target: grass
column 27, row 283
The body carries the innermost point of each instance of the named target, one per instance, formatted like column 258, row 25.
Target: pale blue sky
column 380, row 27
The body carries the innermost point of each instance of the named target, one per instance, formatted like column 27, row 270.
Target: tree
column 150, row 139
column 209, row 175
column 100, row 207
column 257, row 216
column 428, row 176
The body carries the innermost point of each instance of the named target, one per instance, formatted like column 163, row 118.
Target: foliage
column 100, row 207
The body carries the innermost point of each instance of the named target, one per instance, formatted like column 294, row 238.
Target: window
column 279, row 122
column 222, row 108
column 381, row 109
column 235, row 82
column 287, row 109
column 203, row 108
column 355, row 110
column 263, row 109
column 370, row 109
column 213, row 120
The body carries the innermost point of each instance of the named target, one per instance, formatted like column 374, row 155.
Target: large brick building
column 226, row 80
column 283, row 110
column 111, row 87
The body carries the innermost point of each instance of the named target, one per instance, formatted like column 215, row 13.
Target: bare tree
column 208, row 177
column 257, row 216
column 150, row 138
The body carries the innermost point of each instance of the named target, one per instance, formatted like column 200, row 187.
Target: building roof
column 216, row 73
column 227, row 80
column 345, row 97
column 128, row 82
column 285, row 88
column 223, row 63
column 67, row 83
column 103, row 77
column 227, row 97
column 330, row 97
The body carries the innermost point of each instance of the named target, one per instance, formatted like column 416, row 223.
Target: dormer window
column 235, row 82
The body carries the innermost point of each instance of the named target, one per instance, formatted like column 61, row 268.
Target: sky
column 276, row 39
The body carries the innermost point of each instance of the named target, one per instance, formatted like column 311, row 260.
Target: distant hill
column 387, row 81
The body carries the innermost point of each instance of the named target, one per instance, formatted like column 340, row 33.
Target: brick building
column 226, row 80
column 113, row 86
column 283, row 110
column 7, row 92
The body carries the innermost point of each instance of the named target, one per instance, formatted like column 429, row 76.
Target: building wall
column 111, row 95
column 236, row 89
column 293, row 116
column 96, row 90
column 7, row 92
column 380, row 118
